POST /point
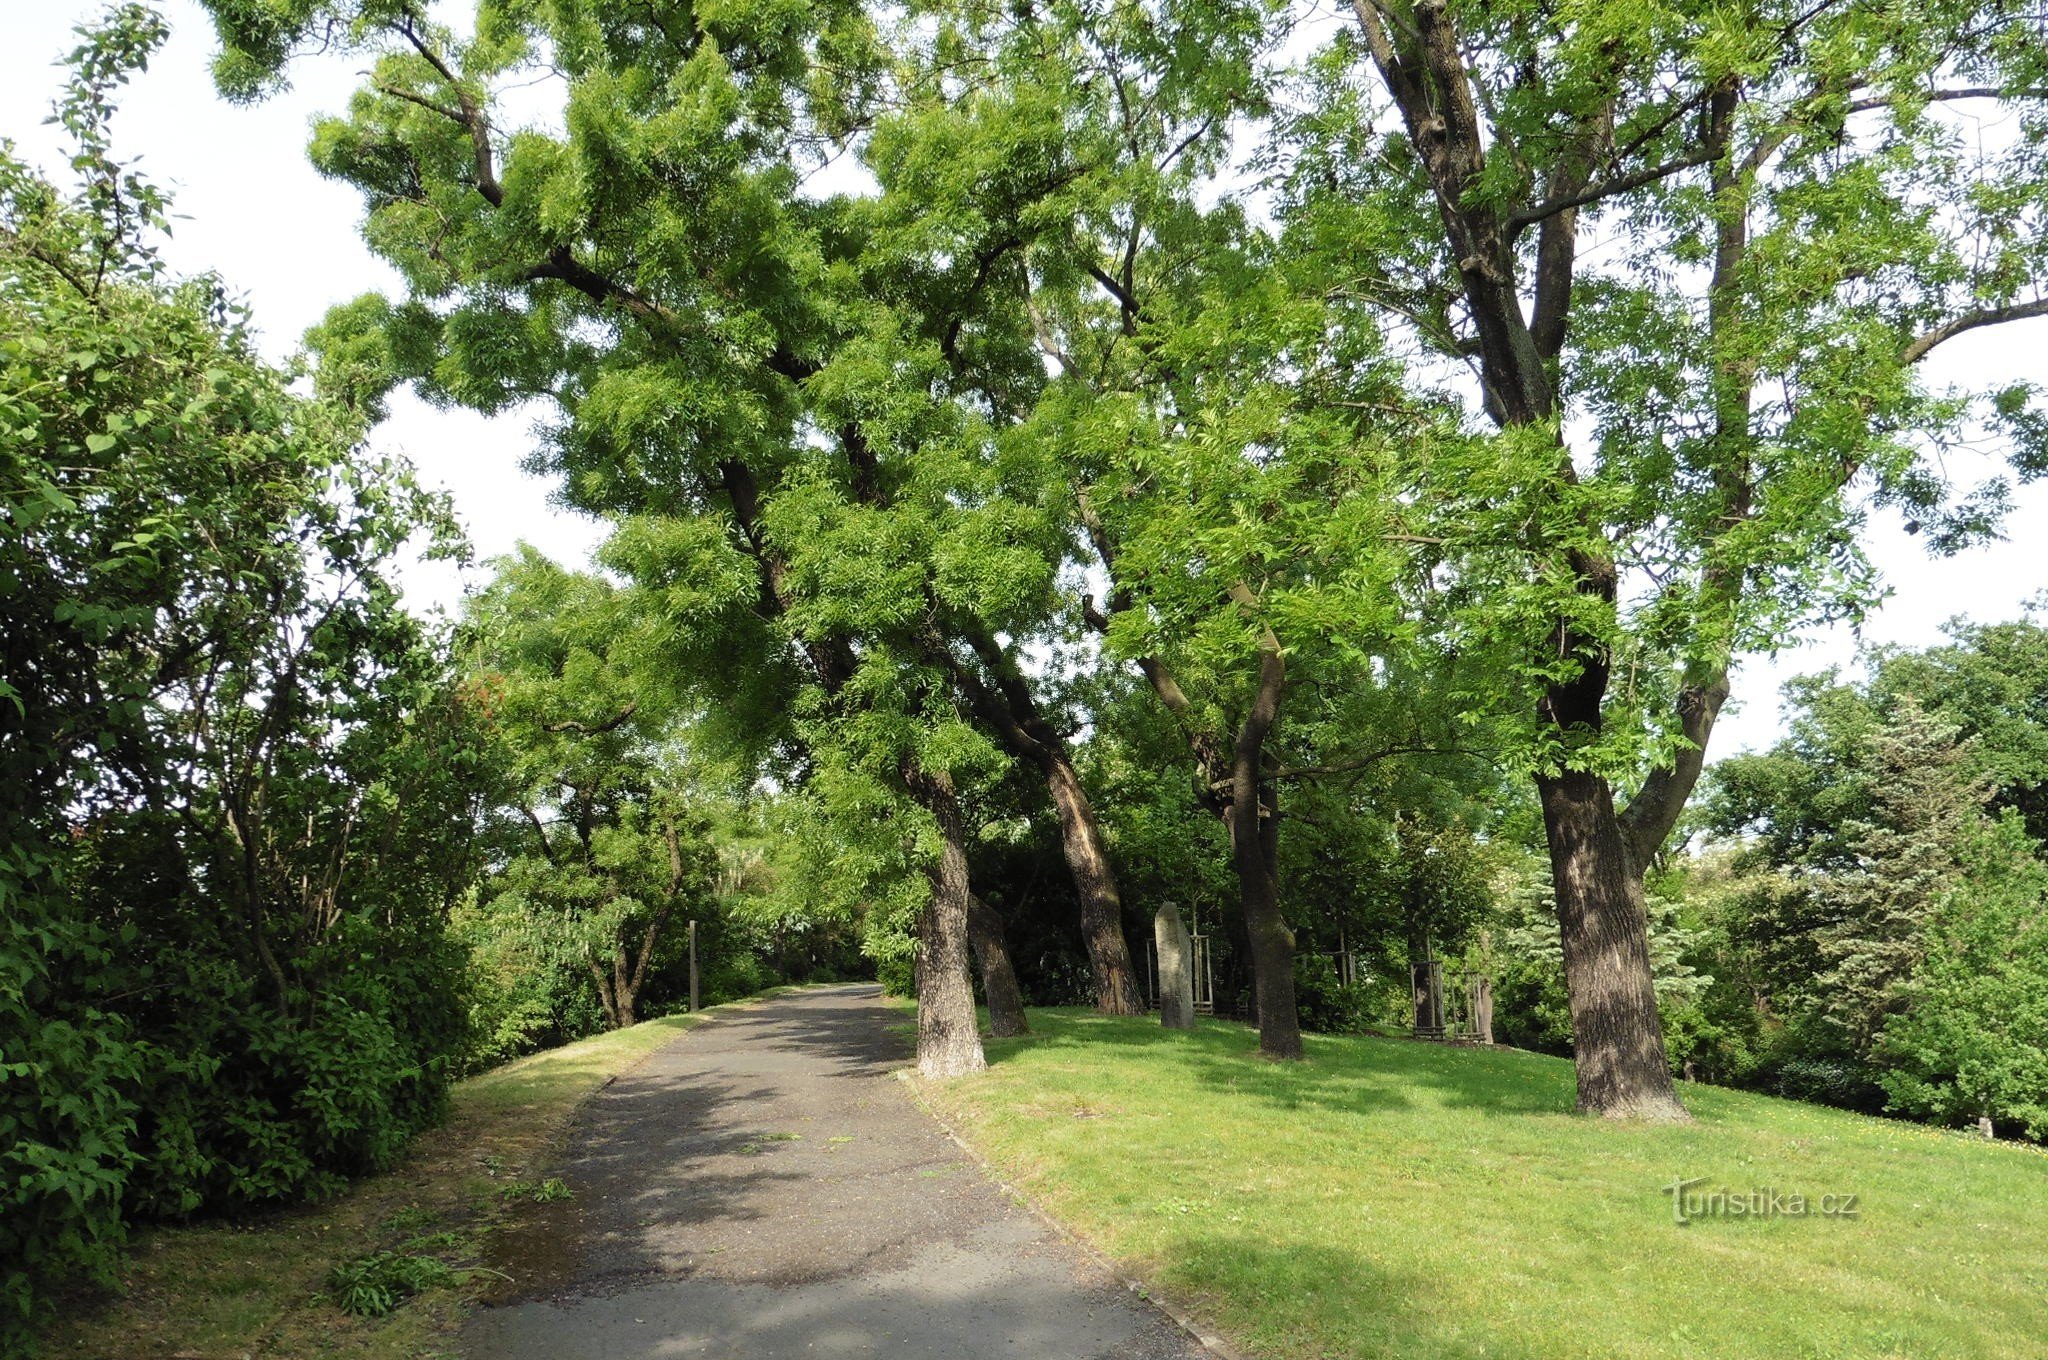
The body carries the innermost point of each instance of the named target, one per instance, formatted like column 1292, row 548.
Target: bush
column 898, row 975
column 1841, row 1082
column 1326, row 1005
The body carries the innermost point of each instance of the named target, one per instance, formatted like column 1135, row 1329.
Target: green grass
column 1395, row 1198
column 272, row 1286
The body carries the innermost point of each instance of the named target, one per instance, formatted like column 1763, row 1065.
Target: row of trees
column 1539, row 360
column 1059, row 460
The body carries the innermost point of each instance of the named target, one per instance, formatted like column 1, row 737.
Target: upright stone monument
column 1176, row 969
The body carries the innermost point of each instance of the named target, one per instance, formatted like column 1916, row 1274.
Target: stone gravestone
column 1176, row 969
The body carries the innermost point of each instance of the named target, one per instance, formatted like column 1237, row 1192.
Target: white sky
column 287, row 240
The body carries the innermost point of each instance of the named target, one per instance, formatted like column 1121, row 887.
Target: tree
column 1693, row 258
column 1884, row 916
column 1905, row 856
column 792, row 378
column 608, row 847
column 1991, row 682
column 1969, row 1041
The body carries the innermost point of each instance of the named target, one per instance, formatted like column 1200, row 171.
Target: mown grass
column 222, row 1291
column 1394, row 1198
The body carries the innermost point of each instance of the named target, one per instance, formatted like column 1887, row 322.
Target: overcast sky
column 255, row 211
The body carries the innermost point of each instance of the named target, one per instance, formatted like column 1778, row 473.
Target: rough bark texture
column 948, row 1037
column 1102, row 905
column 1596, row 859
column 1176, row 968
column 998, row 978
column 1622, row 1069
column 1254, row 822
column 1006, row 703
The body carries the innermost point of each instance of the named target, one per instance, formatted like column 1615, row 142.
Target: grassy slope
column 1394, row 1198
column 230, row 1290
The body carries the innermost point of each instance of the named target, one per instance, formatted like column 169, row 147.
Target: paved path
column 764, row 1188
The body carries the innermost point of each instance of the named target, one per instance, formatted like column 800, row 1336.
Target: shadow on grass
column 1351, row 1074
column 1291, row 1299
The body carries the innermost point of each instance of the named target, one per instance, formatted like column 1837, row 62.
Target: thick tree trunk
column 1253, row 834
column 1604, row 927
column 1102, row 905
column 948, row 1037
column 1253, row 819
column 998, row 979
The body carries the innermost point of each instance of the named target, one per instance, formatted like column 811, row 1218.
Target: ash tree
column 1215, row 457
column 1691, row 260
column 783, row 396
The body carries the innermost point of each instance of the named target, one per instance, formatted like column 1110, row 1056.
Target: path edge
column 1145, row 1293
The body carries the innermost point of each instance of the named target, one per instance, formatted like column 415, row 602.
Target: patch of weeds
column 540, row 1192
column 752, row 1147
column 436, row 1242
column 410, row 1219
column 374, row 1285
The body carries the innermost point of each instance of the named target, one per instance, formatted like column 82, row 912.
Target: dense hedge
column 238, row 784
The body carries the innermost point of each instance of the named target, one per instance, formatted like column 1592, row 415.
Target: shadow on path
column 764, row 1187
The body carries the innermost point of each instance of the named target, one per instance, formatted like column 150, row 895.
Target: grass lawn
column 222, row 1291
column 1395, row 1198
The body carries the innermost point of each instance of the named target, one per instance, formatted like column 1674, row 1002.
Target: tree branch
column 590, row 730
column 1970, row 321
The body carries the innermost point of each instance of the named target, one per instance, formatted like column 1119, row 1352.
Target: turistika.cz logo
column 1690, row 1199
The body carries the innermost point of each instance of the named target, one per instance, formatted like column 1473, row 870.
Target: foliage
column 1970, row 1039
column 1328, row 1004
column 373, row 1285
column 238, row 779
column 1887, row 922
column 1518, row 947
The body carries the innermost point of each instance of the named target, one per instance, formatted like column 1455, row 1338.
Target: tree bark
column 1596, row 858
column 948, row 1037
column 1254, row 823
column 1604, row 927
column 1009, row 707
column 1250, row 821
column 998, row 978
column 1102, row 903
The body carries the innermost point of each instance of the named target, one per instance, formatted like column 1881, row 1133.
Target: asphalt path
column 764, row 1188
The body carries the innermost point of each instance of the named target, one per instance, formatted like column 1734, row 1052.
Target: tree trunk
column 998, row 978
column 948, row 1037
column 1102, row 905
column 605, row 1001
column 1253, row 819
column 1010, row 708
column 1604, row 927
column 1253, row 832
